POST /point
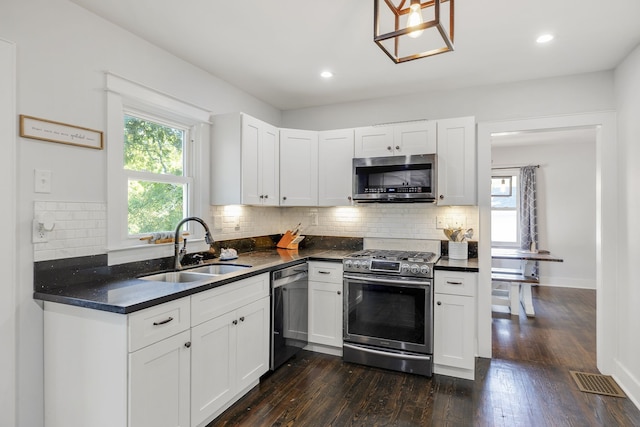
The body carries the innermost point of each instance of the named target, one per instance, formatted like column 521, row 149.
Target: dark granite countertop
column 103, row 288
column 470, row 265
column 89, row 282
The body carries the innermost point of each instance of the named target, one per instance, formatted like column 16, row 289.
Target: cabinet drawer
column 330, row 272
column 223, row 299
column 157, row 323
column 455, row 282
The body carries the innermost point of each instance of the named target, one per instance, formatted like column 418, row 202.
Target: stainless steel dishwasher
column 289, row 313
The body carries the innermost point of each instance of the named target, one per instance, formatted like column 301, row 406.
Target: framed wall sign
column 47, row 130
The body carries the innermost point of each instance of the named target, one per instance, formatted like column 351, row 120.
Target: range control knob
column 365, row 265
column 356, row 264
column 348, row 263
column 404, row 268
column 415, row 269
column 424, row 269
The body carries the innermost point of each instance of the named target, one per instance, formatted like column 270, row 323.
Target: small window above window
column 500, row 186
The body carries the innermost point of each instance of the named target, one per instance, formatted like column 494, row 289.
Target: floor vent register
column 597, row 383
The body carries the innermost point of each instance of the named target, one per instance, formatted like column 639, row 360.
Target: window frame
column 511, row 173
column 187, row 164
column 127, row 97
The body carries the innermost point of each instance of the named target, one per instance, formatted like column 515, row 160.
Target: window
column 157, row 167
column 158, row 173
column 505, row 210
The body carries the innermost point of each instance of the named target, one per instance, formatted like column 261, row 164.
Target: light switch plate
column 42, row 181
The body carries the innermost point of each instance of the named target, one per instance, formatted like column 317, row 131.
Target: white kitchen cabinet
column 335, row 167
column 298, row 167
column 230, row 345
column 396, row 140
column 245, row 158
column 454, row 341
column 177, row 364
column 159, row 381
column 457, row 162
column 108, row 369
column 325, row 304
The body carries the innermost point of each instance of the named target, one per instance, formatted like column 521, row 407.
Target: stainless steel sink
column 195, row 274
column 177, row 277
column 218, row 269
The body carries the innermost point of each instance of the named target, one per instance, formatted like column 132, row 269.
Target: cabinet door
column 252, row 347
column 259, row 162
column 269, row 165
column 251, row 180
column 456, row 161
column 335, row 167
column 298, row 168
column 453, row 340
column 159, row 383
column 214, row 362
column 374, row 141
column 415, row 138
column 325, row 313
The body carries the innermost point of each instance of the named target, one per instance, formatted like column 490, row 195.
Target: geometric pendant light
column 408, row 30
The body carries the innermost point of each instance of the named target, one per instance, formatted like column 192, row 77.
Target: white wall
column 62, row 54
column 8, row 242
column 627, row 90
column 566, row 199
column 547, row 97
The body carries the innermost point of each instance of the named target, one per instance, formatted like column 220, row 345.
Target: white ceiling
column 276, row 49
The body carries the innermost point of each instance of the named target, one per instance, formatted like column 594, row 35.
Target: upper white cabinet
column 244, row 161
column 397, row 140
column 456, row 157
column 298, row 167
column 335, row 167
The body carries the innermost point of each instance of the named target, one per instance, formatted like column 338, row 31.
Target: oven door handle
column 388, row 353
column 386, row 280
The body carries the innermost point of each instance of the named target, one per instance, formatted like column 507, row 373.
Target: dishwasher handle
column 290, row 279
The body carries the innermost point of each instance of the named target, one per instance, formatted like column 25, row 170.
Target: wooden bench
column 509, row 286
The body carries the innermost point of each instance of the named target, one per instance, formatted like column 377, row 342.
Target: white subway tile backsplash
column 80, row 230
column 81, row 227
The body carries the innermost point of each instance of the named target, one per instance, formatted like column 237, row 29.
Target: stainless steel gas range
column 388, row 310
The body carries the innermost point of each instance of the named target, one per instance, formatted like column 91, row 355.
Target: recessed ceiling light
column 544, row 38
column 326, row 74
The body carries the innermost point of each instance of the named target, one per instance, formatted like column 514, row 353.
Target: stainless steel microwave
column 395, row 179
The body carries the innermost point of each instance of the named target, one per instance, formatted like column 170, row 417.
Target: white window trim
column 125, row 95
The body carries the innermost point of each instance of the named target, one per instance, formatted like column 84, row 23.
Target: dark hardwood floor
column 527, row 383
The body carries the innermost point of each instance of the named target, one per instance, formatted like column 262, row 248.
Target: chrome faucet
column 178, row 253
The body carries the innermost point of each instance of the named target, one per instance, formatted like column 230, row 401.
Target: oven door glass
column 388, row 315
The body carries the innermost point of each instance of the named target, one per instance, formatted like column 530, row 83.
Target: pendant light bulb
column 415, row 18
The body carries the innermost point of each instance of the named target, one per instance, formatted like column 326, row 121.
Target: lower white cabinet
column 325, row 304
column 454, row 340
column 177, row 364
column 230, row 353
column 159, row 383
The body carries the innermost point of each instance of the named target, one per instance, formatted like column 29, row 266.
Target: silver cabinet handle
column 339, row 292
column 453, row 283
column 397, row 147
column 324, row 272
column 235, row 322
column 163, row 322
column 187, row 344
column 242, row 319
